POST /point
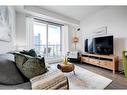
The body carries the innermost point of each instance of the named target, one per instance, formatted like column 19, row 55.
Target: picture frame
column 5, row 24
column 100, row 31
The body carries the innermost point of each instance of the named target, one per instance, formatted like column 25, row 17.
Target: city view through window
column 47, row 39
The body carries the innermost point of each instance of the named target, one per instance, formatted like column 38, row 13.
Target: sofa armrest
column 54, row 79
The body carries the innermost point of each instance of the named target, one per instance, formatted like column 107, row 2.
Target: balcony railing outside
column 53, row 51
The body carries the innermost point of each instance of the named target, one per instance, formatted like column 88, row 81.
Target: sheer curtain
column 65, row 39
column 29, row 33
column 65, row 44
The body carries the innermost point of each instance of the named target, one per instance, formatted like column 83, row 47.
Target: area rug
column 84, row 79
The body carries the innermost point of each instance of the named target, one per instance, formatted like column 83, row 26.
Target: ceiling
column 75, row 12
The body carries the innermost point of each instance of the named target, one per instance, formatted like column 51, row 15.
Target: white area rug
column 85, row 79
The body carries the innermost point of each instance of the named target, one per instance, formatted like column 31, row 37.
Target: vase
column 65, row 60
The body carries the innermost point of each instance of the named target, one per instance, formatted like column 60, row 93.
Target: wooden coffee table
column 66, row 67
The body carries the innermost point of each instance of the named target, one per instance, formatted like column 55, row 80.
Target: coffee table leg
column 74, row 72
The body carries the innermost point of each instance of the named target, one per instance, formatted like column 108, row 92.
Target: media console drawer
column 85, row 59
column 105, row 61
column 106, row 64
column 93, row 61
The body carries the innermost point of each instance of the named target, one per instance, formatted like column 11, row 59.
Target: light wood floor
column 119, row 81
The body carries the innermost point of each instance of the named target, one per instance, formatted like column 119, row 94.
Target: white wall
column 115, row 18
column 72, row 31
column 9, row 46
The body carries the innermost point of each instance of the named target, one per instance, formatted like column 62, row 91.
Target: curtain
column 29, row 33
column 65, row 40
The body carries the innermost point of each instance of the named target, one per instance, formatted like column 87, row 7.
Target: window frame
column 47, row 32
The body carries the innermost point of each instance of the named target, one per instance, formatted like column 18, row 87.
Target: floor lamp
column 75, row 38
column 75, row 41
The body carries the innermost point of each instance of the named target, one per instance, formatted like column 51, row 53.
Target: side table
column 66, row 67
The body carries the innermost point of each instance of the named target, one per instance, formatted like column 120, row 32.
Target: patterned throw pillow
column 30, row 66
column 31, row 52
column 33, row 67
column 20, row 59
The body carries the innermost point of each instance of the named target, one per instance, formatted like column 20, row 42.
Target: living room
column 67, row 23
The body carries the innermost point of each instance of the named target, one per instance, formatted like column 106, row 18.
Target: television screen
column 90, row 45
column 86, row 45
column 103, row 45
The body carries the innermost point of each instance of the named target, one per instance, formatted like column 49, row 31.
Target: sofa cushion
column 31, row 52
column 30, row 66
column 26, row 85
column 8, row 56
column 9, row 73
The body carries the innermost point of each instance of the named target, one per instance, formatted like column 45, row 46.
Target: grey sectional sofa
column 12, row 78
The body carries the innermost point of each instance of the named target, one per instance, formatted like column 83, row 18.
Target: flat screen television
column 100, row 45
column 86, row 45
column 89, row 45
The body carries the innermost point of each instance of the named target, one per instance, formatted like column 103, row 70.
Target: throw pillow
column 34, row 67
column 20, row 59
column 30, row 66
column 30, row 52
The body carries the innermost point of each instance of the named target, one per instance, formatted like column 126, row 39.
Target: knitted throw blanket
column 53, row 79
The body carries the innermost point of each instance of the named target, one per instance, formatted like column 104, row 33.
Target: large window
column 47, row 39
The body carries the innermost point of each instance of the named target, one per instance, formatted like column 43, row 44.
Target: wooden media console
column 105, row 61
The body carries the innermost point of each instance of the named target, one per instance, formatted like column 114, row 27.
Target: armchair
column 73, row 56
column 124, row 58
